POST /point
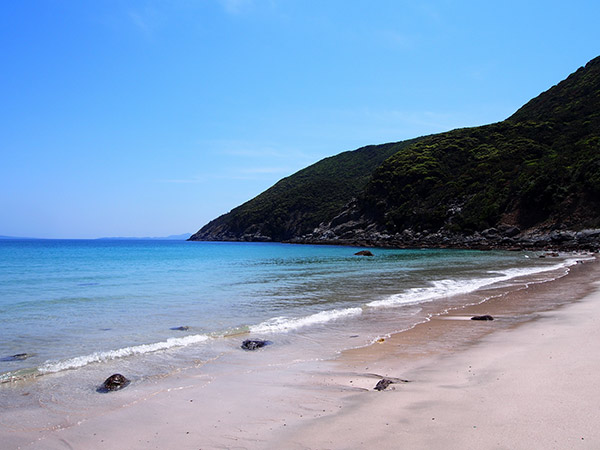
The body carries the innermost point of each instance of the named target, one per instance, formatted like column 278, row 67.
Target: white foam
column 449, row 288
column 284, row 324
column 524, row 271
column 80, row 361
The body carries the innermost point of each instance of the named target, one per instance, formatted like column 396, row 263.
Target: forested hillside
column 540, row 165
column 537, row 172
column 297, row 204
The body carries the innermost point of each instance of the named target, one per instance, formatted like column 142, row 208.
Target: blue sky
column 150, row 118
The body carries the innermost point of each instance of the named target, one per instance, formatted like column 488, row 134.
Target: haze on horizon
column 150, row 118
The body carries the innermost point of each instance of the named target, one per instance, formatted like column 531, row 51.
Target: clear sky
column 150, row 118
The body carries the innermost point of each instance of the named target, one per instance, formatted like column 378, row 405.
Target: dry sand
column 499, row 384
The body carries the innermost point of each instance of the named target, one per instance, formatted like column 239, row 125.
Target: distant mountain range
column 532, row 180
column 173, row 237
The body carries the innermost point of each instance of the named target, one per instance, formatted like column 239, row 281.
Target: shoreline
column 541, row 239
column 33, row 365
column 530, row 385
column 256, row 403
column 510, row 310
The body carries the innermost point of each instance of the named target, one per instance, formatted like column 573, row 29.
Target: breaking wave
column 81, row 361
column 448, row 288
column 283, row 324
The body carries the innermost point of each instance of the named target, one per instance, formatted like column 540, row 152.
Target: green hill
column 536, row 172
column 539, row 167
column 297, row 204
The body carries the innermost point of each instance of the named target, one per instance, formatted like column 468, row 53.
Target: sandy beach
column 512, row 384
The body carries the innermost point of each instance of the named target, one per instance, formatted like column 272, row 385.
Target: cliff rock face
column 532, row 180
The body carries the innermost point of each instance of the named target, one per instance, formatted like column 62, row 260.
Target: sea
column 73, row 312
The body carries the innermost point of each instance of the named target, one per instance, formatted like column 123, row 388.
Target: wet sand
column 528, row 385
column 525, row 380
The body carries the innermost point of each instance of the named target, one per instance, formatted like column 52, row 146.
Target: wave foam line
column 80, row 361
column 284, row 324
column 449, row 288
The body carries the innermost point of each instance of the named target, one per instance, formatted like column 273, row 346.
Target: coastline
column 258, row 403
column 504, row 237
column 531, row 385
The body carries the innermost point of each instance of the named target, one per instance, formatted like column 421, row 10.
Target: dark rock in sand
column 182, row 328
column 114, row 383
column 17, row 357
column 364, row 253
column 486, row 317
column 383, row 384
column 254, row 344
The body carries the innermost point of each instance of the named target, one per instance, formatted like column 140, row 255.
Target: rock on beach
column 383, row 384
column 114, row 383
column 17, row 357
column 485, row 317
column 254, row 344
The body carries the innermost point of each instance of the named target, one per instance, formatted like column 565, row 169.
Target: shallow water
column 82, row 310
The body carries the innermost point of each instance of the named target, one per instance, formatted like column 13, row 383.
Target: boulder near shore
column 114, row 383
column 254, row 344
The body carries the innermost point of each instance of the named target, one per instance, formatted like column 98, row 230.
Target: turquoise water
column 69, row 304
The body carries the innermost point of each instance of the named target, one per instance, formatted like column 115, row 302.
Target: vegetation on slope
column 297, row 204
column 539, row 167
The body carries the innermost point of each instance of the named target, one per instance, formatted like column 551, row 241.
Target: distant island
column 173, row 237
column 530, row 181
